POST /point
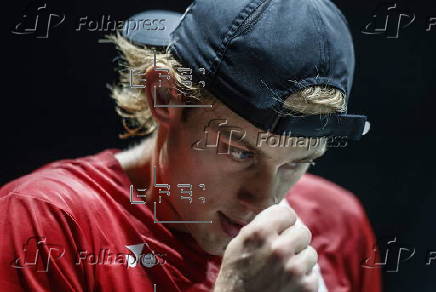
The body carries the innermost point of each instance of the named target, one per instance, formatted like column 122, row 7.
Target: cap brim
column 151, row 27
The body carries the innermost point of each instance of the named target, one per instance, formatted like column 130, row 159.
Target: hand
column 271, row 253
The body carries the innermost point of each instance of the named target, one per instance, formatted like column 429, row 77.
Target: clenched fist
column 272, row 253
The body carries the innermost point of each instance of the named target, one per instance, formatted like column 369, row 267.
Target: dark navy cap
column 257, row 52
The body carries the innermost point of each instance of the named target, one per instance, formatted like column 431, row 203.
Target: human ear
column 161, row 94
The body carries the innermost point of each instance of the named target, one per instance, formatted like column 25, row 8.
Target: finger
column 276, row 218
column 302, row 264
column 292, row 241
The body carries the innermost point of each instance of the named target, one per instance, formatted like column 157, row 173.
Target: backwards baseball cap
column 257, row 52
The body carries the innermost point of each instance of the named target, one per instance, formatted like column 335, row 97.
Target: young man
column 247, row 96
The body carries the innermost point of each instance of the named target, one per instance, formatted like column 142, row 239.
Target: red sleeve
column 369, row 279
column 344, row 250
column 358, row 245
column 341, row 233
column 38, row 246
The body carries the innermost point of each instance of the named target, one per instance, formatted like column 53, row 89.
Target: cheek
column 212, row 187
column 215, row 171
column 287, row 180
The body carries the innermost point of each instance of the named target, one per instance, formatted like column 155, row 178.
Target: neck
column 138, row 163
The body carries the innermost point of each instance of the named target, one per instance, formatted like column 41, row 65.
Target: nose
column 257, row 192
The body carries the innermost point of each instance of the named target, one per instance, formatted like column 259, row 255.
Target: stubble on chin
column 214, row 245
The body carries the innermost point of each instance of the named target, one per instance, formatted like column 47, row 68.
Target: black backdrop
column 55, row 105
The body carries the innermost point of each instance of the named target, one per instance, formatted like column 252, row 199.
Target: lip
column 229, row 225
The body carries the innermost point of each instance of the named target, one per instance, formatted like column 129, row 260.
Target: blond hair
column 132, row 103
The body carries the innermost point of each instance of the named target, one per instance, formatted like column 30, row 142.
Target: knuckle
column 283, row 210
column 255, row 236
column 310, row 258
column 295, row 271
column 278, row 213
column 306, row 233
column 290, row 214
column 279, row 253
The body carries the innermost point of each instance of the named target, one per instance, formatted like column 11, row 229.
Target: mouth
column 229, row 226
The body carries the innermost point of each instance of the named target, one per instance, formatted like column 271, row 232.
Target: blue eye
column 240, row 155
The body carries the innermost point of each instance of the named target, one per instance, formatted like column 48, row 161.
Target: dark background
column 55, row 105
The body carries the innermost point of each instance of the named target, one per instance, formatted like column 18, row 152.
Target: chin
column 216, row 251
column 214, row 245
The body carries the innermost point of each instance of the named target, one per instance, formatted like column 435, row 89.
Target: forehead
column 223, row 120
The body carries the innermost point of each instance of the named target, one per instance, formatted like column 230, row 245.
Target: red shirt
column 70, row 226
